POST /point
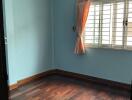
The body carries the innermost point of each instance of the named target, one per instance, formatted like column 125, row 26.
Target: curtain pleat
column 82, row 14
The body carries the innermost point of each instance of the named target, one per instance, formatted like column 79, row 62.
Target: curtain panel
column 82, row 11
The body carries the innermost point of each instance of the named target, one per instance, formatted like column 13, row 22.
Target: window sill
column 117, row 48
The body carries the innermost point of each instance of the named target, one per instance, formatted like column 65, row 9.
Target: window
column 109, row 24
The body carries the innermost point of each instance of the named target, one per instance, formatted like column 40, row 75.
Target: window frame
column 124, row 45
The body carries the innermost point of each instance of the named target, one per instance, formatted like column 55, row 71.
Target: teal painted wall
column 28, row 30
column 107, row 64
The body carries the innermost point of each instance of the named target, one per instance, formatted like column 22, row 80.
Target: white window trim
column 113, row 45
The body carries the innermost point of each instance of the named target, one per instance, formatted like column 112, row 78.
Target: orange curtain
column 82, row 14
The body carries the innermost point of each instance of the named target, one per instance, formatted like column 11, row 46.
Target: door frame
column 4, row 89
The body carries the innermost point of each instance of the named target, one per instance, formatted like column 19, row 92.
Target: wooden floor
column 61, row 88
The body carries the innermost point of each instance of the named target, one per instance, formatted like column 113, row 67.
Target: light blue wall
column 28, row 29
column 40, row 38
column 108, row 64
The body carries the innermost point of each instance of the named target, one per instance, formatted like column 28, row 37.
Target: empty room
column 65, row 49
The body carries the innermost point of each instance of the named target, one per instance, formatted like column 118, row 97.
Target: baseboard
column 31, row 79
column 13, row 86
column 113, row 84
column 110, row 83
column 35, row 77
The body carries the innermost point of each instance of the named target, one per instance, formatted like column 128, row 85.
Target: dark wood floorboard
column 62, row 88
